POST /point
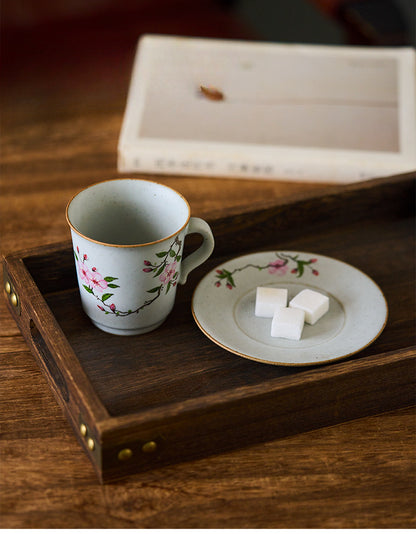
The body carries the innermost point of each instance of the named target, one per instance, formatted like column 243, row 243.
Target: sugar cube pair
column 287, row 322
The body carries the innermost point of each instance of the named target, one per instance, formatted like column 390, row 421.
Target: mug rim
column 135, row 245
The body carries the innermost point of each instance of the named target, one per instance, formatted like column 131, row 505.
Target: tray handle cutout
column 49, row 361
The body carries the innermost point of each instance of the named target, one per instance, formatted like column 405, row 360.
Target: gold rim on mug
column 135, row 244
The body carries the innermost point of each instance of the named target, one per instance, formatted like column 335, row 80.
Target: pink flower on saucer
column 278, row 267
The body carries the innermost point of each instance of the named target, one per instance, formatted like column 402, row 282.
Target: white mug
column 128, row 237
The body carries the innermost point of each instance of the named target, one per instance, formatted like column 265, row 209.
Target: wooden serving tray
column 172, row 395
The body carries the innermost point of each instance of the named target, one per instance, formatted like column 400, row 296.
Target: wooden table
column 59, row 134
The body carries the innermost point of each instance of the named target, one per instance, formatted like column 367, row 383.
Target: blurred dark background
column 373, row 22
column 89, row 45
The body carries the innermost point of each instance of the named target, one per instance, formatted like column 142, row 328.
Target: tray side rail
column 54, row 355
column 250, row 415
column 390, row 197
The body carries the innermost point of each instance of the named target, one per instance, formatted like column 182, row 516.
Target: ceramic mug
column 128, row 237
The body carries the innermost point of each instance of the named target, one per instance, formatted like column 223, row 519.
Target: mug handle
column 198, row 226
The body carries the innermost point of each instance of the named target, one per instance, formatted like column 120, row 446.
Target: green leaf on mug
column 172, row 253
column 88, row 289
column 113, row 286
column 110, row 279
column 159, row 271
column 161, row 254
column 154, row 290
column 106, row 296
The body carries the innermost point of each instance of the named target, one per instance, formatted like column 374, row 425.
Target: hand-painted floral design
column 164, row 269
column 279, row 267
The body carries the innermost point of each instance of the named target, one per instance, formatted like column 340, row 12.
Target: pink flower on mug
column 277, row 267
column 84, row 272
column 94, row 283
column 168, row 273
column 97, row 282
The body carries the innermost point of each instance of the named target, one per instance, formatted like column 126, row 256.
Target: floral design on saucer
column 357, row 315
column 283, row 264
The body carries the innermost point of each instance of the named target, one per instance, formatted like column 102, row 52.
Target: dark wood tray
column 172, row 395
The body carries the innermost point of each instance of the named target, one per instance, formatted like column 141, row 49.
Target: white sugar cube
column 268, row 299
column 288, row 323
column 314, row 304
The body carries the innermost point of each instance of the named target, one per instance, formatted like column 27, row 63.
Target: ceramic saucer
column 223, row 307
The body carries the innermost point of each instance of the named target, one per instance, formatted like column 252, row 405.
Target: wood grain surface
column 60, row 126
